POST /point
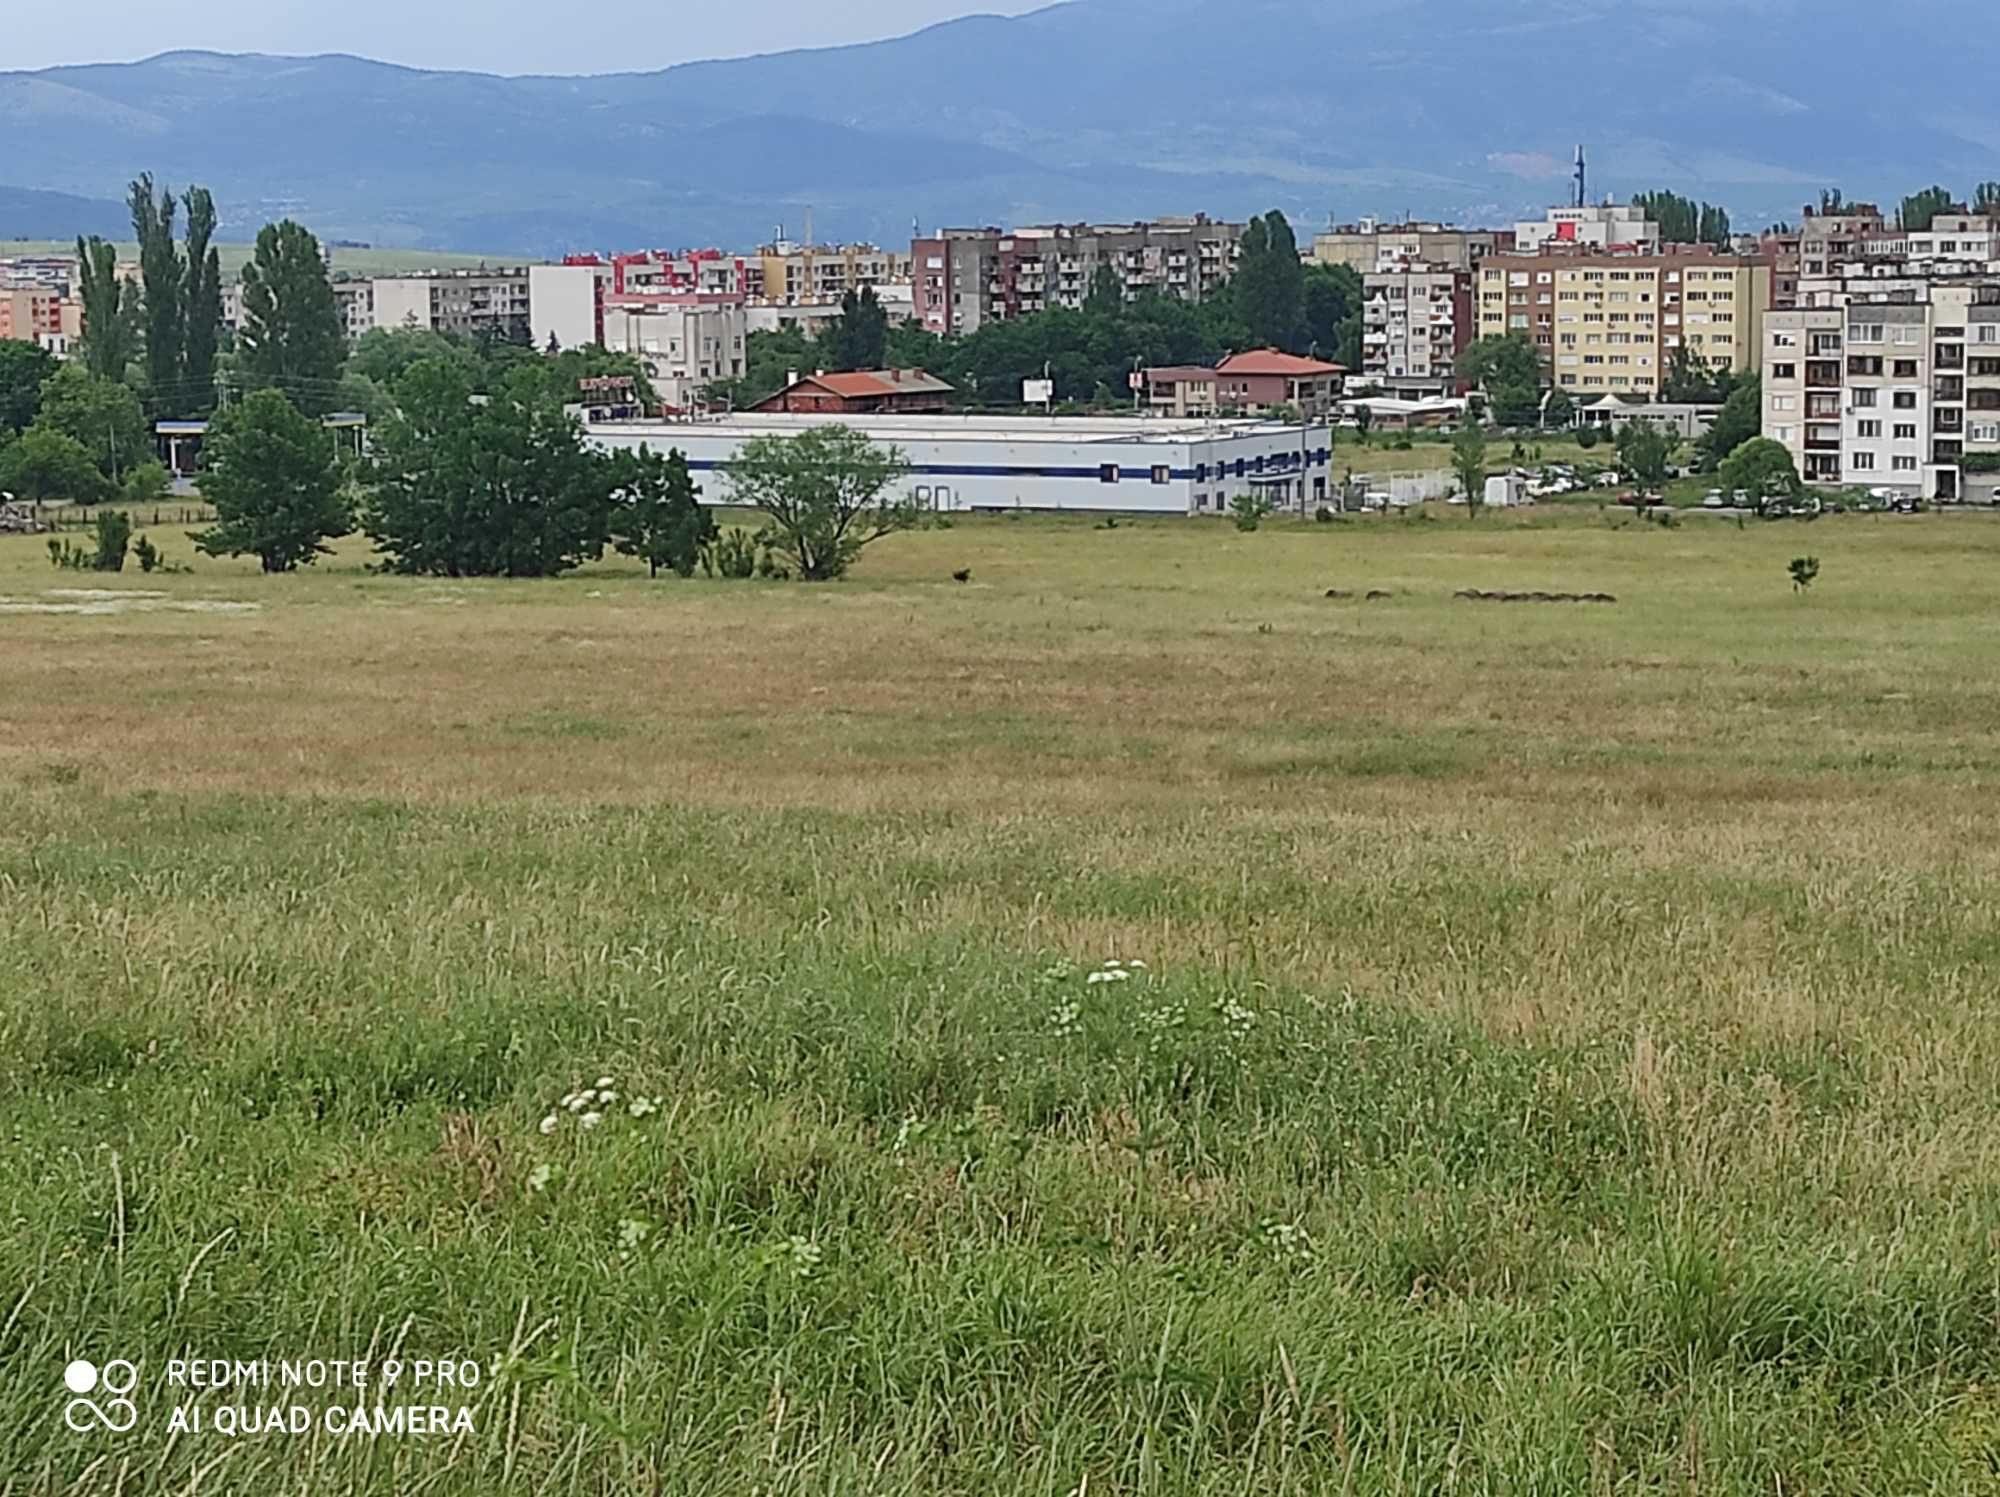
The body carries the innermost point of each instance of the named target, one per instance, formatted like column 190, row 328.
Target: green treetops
column 658, row 516
column 1468, row 464
column 291, row 338
column 43, row 463
column 1643, row 452
column 101, row 414
column 824, row 493
column 270, row 473
column 501, row 486
column 1763, row 469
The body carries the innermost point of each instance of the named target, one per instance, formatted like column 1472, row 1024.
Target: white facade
column 1609, row 226
column 684, row 346
column 562, row 305
column 1130, row 465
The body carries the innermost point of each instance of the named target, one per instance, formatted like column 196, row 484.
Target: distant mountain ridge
column 1098, row 108
column 28, row 214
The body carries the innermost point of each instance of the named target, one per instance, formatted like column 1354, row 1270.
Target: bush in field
column 1247, row 511
column 1803, row 570
column 114, row 536
column 149, row 483
column 825, row 494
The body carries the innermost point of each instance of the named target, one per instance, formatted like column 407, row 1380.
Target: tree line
column 1273, row 300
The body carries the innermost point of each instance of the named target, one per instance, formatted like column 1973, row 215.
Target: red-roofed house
column 865, row 392
column 1248, row 382
column 1264, row 377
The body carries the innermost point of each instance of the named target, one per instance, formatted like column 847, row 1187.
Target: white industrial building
column 1123, row 465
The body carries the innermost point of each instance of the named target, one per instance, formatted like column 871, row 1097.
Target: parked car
column 1714, row 499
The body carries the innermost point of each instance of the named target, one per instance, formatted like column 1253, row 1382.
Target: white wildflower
column 539, row 1177
column 643, row 1107
column 607, row 1098
column 604, row 1081
column 1067, row 1020
column 631, row 1233
column 591, row 1119
column 805, row 1255
column 549, row 1123
column 579, row 1101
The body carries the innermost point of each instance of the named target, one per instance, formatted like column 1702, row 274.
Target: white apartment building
column 1890, row 382
column 1606, row 226
column 684, row 345
column 465, row 302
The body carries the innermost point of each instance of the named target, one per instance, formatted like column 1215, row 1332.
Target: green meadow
column 1551, row 1048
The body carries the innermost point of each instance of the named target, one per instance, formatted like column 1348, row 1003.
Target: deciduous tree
column 1507, row 367
column 23, row 368
column 162, row 285
column 291, row 338
column 1763, row 469
column 658, row 515
column 1643, row 452
column 102, row 414
column 270, row 473
column 202, row 307
column 1919, row 208
column 110, row 310
column 503, row 487
column 825, row 494
column 1468, row 465
column 43, row 463
column 1740, row 419
column 1270, row 283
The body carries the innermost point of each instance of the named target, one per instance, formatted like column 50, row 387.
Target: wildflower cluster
column 1237, row 1019
column 588, row 1105
column 1288, row 1241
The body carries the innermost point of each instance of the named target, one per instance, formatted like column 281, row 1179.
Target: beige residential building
column 1610, row 324
column 1369, row 246
column 796, row 275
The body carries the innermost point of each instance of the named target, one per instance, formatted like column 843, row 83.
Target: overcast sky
column 499, row 36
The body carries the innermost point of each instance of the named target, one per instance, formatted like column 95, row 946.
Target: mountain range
column 1105, row 109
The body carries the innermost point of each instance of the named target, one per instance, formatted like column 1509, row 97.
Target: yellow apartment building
column 1609, row 324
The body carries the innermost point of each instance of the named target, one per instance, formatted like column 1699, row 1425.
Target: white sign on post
column 1038, row 391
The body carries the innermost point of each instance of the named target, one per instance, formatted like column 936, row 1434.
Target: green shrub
column 114, row 535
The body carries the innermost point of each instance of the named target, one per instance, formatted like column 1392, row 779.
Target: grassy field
column 357, row 262
column 1564, row 1059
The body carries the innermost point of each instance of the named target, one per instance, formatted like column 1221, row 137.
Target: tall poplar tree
column 161, row 286
column 202, row 304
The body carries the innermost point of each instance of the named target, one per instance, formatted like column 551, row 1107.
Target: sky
column 496, row 36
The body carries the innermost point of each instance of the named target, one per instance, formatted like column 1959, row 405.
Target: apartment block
column 1610, row 324
column 1370, row 246
column 33, row 314
column 1416, row 321
column 464, row 302
column 794, row 275
column 684, row 343
column 966, row 278
column 1890, row 381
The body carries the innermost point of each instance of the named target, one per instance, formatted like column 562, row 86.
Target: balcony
column 1950, row 388
column 1952, row 422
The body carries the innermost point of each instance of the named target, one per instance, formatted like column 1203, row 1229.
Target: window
column 1868, row 428
column 1904, row 400
column 1904, row 369
column 1865, row 332
column 1903, row 464
column 922, row 493
column 1905, row 431
column 1108, row 473
column 1783, row 403
column 1863, row 462
column 1784, row 371
column 1160, row 474
column 1201, row 472
column 1864, row 399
